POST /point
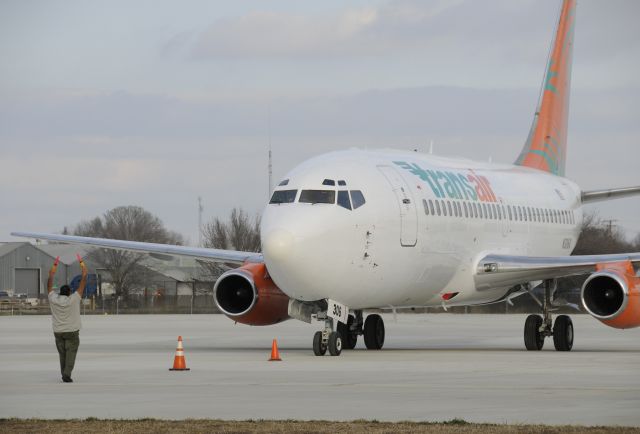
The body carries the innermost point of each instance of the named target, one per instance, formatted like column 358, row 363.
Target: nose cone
column 277, row 244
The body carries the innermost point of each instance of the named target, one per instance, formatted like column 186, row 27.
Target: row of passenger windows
column 496, row 211
column 352, row 199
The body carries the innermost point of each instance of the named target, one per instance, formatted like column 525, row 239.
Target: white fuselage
column 425, row 224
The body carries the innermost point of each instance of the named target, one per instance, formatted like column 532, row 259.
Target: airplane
column 357, row 229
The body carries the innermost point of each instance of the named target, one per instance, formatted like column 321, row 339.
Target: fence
column 111, row 305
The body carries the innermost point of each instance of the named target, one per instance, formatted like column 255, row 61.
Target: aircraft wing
column 506, row 270
column 156, row 250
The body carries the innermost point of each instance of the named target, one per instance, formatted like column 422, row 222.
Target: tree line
column 241, row 232
column 134, row 223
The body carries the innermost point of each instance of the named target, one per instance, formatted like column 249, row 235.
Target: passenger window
column 509, row 210
column 459, row 209
column 357, row 199
column 424, row 204
column 455, row 209
column 449, row 207
column 328, row 182
column 444, row 208
column 524, row 213
column 317, row 196
column 283, row 196
column 466, row 211
column 475, row 210
column 343, row 199
column 431, row 207
column 494, row 212
column 438, row 206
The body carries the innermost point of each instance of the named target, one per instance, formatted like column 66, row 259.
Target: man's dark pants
column 67, row 344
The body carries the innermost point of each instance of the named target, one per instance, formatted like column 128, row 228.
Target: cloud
column 396, row 27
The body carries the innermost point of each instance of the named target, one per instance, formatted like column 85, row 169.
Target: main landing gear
column 537, row 328
column 345, row 336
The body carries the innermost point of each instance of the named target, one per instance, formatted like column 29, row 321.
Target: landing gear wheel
column 349, row 337
column 533, row 338
column 563, row 333
column 335, row 344
column 374, row 332
column 319, row 348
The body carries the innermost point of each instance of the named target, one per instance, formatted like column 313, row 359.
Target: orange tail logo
column 546, row 146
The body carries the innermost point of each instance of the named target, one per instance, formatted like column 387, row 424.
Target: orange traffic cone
column 179, row 363
column 275, row 356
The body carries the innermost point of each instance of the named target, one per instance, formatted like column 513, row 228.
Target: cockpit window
column 328, row 182
column 283, row 196
column 317, row 196
column 342, row 182
column 357, row 199
column 343, row 199
column 283, row 182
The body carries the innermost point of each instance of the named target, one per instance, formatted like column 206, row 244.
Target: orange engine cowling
column 612, row 295
column 249, row 296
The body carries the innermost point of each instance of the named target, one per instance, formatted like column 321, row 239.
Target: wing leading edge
column 505, row 270
column 205, row 254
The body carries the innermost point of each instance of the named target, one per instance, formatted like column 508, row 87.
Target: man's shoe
column 67, row 379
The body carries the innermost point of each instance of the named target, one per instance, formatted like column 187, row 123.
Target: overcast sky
column 155, row 103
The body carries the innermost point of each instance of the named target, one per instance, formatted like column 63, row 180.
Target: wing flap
column 505, row 270
column 204, row 254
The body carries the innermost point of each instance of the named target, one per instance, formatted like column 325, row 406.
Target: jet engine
column 248, row 295
column 612, row 295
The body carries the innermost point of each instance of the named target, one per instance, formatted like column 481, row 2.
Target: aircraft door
column 406, row 204
column 505, row 221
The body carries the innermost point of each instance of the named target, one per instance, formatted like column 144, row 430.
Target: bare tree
column 131, row 223
column 240, row 232
column 598, row 238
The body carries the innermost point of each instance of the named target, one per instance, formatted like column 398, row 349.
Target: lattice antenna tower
column 200, row 209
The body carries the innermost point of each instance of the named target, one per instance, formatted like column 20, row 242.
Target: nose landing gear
column 537, row 328
column 345, row 336
column 327, row 339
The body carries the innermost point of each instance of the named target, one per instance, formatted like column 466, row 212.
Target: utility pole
column 610, row 225
column 200, row 209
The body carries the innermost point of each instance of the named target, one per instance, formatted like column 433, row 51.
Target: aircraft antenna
column 200, row 209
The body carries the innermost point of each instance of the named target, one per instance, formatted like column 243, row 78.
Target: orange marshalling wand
column 179, row 363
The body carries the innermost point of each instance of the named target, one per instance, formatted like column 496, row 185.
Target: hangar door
column 27, row 281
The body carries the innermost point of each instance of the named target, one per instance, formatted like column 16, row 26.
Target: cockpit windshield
column 283, row 196
column 317, row 196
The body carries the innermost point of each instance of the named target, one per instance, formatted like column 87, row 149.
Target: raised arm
column 83, row 280
column 52, row 273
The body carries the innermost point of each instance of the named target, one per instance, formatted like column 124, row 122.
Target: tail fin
column 546, row 146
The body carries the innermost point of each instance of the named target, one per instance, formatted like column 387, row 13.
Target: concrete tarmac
column 432, row 368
